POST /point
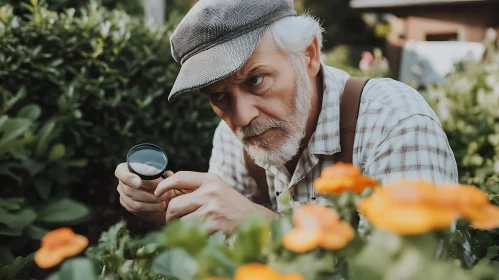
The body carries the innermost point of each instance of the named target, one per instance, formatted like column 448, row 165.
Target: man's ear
column 313, row 57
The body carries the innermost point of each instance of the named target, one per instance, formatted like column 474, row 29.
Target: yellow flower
column 342, row 177
column 415, row 207
column 258, row 271
column 317, row 226
column 58, row 245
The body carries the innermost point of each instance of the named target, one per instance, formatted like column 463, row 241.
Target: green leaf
column 17, row 220
column 251, row 238
column 492, row 252
column 12, row 204
column 36, row 232
column 44, row 137
column 14, row 128
column 31, row 111
column 377, row 256
column 10, row 271
column 391, row 256
column 3, row 119
column 189, row 235
column 279, row 228
column 175, row 263
column 4, row 230
column 309, row 265
column 63, row 211
column 33, row 166
column 6, row 256
column 57, row 152
column 43, row 187
column 78, row 269
column 21, row 93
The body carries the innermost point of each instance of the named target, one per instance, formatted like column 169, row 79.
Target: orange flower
column 57, row 245
column 485, row 217
column 415, row 207
column 342, row 177
column 385, row 212
column 459, row 196
column 317, row 226
column 258, row 271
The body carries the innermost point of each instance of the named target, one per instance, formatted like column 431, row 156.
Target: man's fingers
column 124, row 175
column 141, row 195
column 138, row 207
column 127, row 177
column 182, row 180
column 182, row 205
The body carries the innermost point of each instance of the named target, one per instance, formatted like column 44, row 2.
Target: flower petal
column 332, row 240
column 486, row 218
column 315, row 215
column 460, row 196
column 291, row 277
column 300, row 240
column 255, row 271
column 413, row 219
column 46, row 258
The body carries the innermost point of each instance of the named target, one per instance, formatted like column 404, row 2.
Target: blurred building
column 451, row 28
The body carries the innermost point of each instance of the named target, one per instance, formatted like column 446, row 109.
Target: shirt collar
column 326, row 138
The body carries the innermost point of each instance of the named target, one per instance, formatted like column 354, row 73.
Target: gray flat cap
column 217, row 37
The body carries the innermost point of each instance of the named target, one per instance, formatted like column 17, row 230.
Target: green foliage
column 131, row 7
column 76, row 269
column 15, row 267
column 381, row 255
column 78, row 88
column 466, row 104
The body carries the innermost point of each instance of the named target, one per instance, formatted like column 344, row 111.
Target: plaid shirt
column 398, row 135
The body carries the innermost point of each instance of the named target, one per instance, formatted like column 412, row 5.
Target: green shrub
column 76, row 93
column 131, row 7
column 467, row 104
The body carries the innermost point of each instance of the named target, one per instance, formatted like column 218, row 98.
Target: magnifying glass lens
column 147, row 160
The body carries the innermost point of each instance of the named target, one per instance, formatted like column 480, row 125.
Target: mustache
column 255, row 129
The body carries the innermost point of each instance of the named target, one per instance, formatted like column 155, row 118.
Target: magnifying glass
column 148, row 161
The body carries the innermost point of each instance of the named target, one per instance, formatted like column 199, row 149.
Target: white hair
column 294, row 34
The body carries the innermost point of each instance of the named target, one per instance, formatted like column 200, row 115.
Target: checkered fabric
column 398, row 136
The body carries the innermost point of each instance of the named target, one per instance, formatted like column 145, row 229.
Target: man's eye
column 256, row 81
column 217, row 97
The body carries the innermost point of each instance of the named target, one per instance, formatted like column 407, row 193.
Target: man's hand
column 221, row 207
column 137, row 196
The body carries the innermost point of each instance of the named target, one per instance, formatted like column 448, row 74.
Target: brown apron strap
column 349, row 111
column 260, row 178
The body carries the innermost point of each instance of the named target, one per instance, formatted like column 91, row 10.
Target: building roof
column 362, row 4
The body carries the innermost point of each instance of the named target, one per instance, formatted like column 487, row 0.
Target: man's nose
column 244, row 110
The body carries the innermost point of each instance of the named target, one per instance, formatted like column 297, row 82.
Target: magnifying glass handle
column 164, row 176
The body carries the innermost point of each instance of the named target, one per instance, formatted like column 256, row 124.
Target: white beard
column 294, row 125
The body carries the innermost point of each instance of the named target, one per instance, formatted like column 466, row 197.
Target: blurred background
column 81, row 82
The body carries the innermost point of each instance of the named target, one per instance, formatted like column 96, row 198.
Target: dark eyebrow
column 258, row 69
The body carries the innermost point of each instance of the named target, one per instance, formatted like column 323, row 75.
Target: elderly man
column 259, row 65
